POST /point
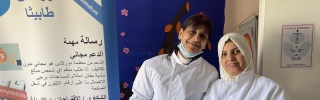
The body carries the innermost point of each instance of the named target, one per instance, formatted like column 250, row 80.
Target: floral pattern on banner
column 126, row 50
column 122, row 34
column 124, row 12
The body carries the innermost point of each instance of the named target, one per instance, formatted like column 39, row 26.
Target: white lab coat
column 246, row 85
column 163, row 79
column 249, row 86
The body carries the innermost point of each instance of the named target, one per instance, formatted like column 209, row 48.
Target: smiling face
column 232, row 59
column 194, row 40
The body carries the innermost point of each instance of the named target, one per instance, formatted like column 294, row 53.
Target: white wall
column 237, row 12
column 300, row 83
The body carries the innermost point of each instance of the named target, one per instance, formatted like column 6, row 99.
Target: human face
column 194, row 40
column 232, row 59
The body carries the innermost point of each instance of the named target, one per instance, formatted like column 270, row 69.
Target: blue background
column 144, row 31
column 4, row 6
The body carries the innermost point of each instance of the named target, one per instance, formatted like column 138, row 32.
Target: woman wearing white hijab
column 238, row 81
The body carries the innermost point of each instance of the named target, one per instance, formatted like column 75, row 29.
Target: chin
column 234, row 74
column 191, row 51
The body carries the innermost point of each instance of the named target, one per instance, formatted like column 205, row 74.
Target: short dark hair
column 195, row 21
column 229, row 40
column 198, row 20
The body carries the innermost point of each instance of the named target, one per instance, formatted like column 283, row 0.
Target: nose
column 196, row 37
column 231, row 57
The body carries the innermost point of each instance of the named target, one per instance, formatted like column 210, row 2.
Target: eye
column 223, row 54
column 192, row 32
column 236, row 51
column 203, row 37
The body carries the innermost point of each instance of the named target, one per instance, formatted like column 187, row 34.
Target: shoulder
column 218, row 82
column 259, row 78
column 208, row 68
column 214, row 88
column 156, row 58
column 277, row 92
column 207, row 65
column 266, row 82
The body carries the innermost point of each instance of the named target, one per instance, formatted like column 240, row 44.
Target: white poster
column 52, row 50
column 296, row 48
column 249, row 31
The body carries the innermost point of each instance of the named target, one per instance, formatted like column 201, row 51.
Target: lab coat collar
column 243, row 78
column 175, row 60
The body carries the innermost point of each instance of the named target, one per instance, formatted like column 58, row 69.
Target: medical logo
column 4, row 6
column 10, row 57
column 3, row 56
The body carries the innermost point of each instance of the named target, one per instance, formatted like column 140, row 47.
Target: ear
column 180, row 33
column 209, row 45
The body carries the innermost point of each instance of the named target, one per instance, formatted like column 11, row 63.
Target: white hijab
column 244, row 47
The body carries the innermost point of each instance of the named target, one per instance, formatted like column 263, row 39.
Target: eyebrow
column 206, row 31
column 231, row 49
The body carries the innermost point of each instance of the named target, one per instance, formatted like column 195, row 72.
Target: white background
column 300, row 83
column 42, row 41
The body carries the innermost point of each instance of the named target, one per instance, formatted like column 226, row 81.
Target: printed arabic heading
column 38, row 15
column 85, row 40
column 41, row 0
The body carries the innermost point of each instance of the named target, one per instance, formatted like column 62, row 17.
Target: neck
column 183, row 59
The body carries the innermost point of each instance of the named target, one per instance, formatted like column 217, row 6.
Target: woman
column 238, row 81
column 182, row 74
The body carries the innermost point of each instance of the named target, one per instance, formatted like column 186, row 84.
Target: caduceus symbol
column 1, row 56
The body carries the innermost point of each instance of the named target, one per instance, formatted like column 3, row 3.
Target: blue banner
column 146, row 27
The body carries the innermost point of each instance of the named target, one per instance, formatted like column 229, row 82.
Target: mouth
column 233, row 64
column 193, row 44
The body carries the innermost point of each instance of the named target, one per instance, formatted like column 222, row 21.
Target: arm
column 209, row 95
column 142, row 87
column 279, row 94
